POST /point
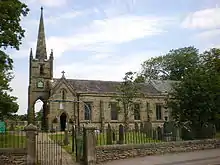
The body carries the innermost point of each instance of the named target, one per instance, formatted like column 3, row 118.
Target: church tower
column 40, row 75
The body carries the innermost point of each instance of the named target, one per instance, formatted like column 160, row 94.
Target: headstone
column 154, row 134
column 168, row 130
column 66, row 138
column 148, row 128
column 121, row 134
column 109, row 135
column 2, row 127
column 136, row 127
column 142, row 127
column 213, row 131
column 159, row 133
column 113, row 136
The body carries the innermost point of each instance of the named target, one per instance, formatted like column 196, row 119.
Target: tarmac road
column 204, row 157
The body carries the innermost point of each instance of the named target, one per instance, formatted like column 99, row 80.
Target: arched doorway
column 39, row 112
column 63, row 120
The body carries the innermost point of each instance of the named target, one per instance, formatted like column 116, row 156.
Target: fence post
column 89, row 139
column 31, row 144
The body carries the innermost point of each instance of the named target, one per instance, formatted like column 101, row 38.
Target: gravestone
column 154, row 134
column 213, row 131
column 113, row 136
column 109, row 135
column 168, row 130
column 159, row 133
column 142, row 127
column 136, row 127
column 121, row 134
column 148, row 128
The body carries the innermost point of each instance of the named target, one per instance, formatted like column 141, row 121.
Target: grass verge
column 12, row 140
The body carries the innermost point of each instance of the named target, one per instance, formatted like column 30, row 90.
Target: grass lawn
column 129, row 138
column 12, row 140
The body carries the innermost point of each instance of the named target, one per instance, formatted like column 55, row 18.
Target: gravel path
column 50, row 153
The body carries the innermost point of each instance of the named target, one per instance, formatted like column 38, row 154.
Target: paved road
column 205, row 157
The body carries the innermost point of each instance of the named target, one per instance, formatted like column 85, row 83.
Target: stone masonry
column 116, row 152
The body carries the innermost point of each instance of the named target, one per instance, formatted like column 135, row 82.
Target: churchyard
column 139, row 140
column 140, row 134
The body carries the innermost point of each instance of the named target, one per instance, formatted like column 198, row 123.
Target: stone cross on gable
column 63, row 74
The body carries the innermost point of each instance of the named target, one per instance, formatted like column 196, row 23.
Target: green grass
column 129, row 138
column 12, row 140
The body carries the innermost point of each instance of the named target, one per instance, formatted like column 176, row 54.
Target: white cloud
column 208, row 35
column 62, row 17
column 111, row 68
column 203, row 19
column 110, row 31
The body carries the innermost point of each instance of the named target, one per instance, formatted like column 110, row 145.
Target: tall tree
column 11, row 34
column 171, row 66
column 11, row 12
column 196, row 99
column 127, row 94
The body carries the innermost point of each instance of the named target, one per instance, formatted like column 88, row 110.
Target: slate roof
column 155, row 87
column 163, row 86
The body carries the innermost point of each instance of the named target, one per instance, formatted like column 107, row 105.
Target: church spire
column 41, row 52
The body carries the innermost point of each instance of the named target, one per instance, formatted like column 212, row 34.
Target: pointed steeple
column 41, row 52
column 31, row 54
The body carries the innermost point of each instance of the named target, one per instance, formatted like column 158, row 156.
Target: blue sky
column 103, row 39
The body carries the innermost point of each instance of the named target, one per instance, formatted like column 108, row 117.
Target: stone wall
column 10, row 156
column 114, row 152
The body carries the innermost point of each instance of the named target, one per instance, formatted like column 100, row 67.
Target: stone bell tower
column 40, row 75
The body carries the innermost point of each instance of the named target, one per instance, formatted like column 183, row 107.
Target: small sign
column 2, row 127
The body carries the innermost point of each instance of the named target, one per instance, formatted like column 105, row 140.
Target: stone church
column 75, row 101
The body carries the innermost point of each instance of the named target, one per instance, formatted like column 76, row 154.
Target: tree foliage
column 11, row 34
column 171, row 66
column 10, row 18
column 39, row 115
column 196, row 99
column 127, row 94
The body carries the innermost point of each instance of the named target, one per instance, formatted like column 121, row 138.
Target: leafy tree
column 8, row 103
column 171, row 66
column 10, row 36
column 10, row 17
column 22, row 117
column 196, row 99
column 127, row 94
column 39, row 115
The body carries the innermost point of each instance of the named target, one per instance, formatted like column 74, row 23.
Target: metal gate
column 49, row 148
